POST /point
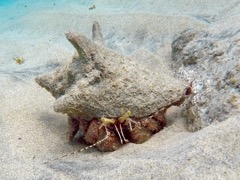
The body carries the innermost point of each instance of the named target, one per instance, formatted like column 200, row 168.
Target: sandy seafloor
column 32, row 133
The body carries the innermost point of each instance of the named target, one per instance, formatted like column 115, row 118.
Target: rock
column 212, row 58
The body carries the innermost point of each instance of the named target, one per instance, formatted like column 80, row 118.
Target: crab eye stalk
column 107, row 121
column 125, row 116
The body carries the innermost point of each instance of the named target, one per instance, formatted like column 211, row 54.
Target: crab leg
column 130, row 121
column 73, row 127
column 95, row 144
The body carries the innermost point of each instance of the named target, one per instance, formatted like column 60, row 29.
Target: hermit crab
column 111, row 99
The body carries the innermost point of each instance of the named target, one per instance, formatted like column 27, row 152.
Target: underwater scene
column 119, row 89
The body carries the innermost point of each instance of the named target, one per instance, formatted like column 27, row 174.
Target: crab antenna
column 130, row 125
column 118, row 134
column 83, row 149
column 125, row 140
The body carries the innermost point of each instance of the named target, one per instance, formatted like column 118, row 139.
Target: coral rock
column 212, row 58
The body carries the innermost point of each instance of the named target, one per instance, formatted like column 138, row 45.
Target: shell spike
column 97, row 33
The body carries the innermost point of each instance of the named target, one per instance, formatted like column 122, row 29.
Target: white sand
column 32, row 133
